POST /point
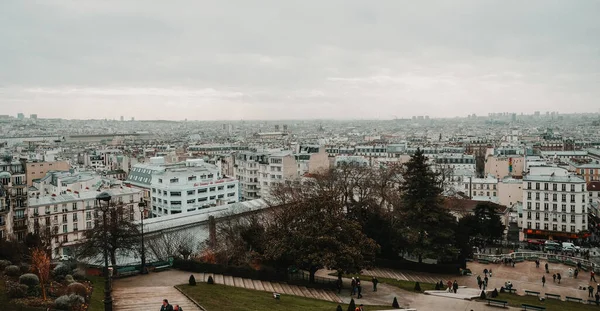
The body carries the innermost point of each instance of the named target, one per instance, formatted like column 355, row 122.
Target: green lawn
column 221, row 297
column 406, row 285
column 96, row 303
column 550, row 304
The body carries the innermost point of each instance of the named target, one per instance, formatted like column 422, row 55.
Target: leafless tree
column 170, row 244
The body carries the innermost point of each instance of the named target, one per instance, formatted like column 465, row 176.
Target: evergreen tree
column 490, row 225
column 428, row 226
column 395, row 304
column 352, row 305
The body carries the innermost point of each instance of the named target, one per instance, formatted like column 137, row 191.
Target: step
column 333, row 296
column 238, row 282
column 305, row 292
column 248, row 284
column 147, row 298
column 286, row 289
column 228, row 280
column 316, row 294
column 268, row 286
column 277, row 288
column 296, row 290
column 258, row 285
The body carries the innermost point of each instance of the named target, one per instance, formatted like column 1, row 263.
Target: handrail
column 544, row 256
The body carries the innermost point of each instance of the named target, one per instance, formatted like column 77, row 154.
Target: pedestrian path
column 281, row 288
column 149, row 298
column 404, row 275
column 462, row 293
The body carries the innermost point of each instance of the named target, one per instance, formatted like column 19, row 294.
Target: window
column 212, row 189
column 545, row 226
column 546, row 205
column 528, row 195
column 64, row 218
column 231, row 194
column 191, row 178
column 572, row 208
column 528, row 215
column 537, row 216
column 572, row 219
column 203, row 190
column 572, row 228
column 74, row 217
column 583, row 198
column 572, row 198
column 572, row 188
column 564, row 218
column 537, row 205
column 564, row 228
column 529, row 185
column 563, row 187
column 75, row 227
column 564, row 208
column 528, row 205
column 554, row 197
column 554, row 187
column 192, row 201
column 537, row 196
column 160, row 180
column 220, row 187
column 191, row 192
column 545, row 186
column 529, row 224
column 175, row 193
column 74, row 206
column 555, row 227
column 546, row 196
column 88, row 215
column 65, row 229
column 537, row 225
column 153, row 190
column 230, row 186
column 537, row 186
column 494, row 193
column 563, row 197
column 546, row 216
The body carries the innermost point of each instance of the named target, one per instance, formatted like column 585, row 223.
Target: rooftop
column 81, row 196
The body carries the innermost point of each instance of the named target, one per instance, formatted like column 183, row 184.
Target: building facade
column 36, row 170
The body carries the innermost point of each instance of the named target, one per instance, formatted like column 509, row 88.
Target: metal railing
column 538, row 255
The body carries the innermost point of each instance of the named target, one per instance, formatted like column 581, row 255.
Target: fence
column 303, row 278
column 537, row 255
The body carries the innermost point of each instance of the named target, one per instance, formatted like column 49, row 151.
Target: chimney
column 212, row 232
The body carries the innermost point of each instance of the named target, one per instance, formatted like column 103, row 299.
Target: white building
column 65, row 217
column 555, row 204
column 196, row 185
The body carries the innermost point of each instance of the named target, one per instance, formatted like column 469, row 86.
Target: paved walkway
column 420, row 277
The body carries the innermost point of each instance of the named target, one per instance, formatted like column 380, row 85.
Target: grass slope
column 221, row 297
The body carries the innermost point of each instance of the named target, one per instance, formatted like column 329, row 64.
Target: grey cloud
column 321, row 58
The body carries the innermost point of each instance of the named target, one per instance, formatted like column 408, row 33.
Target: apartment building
column 555, row 204
column 39, row 169
column 588, row 168
column 501, row 165
column 193, row 186
column 13, row 181
column 66, row 217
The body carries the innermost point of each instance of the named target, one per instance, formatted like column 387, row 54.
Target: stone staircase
column 149, row 298
column 281, row 288
column 403, row 275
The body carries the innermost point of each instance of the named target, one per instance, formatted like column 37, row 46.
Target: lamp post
column 142, row 207
column 105, row 197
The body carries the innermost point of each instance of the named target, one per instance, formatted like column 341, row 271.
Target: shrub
column 482, row 295
column 16, row 290
column 339, row 308
column 352, row 305
column 79, row 275
column 437, row 286
column 417, row 287
column 12, row 270
column 395, row 304
column 34, row 291
column 495, row 293
column 210, row 280
column 4, row 264
column 192, row 280
column 29, row 279
column 68, row 302
column 61, row 270
column 69, row 279
column 25, row 268
column 77, row 289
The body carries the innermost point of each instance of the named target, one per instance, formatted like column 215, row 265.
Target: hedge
column 264, row 274
column 403, row 264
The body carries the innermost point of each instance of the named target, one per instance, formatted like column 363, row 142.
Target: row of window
column 191, row 192
column 554, row 227
column 554, row 187
column 192, row 201
column 554, row 197
column 190, row 178
column 554, row 207
column 554, row 217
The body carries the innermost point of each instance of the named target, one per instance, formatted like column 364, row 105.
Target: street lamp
column 105, row 197
column 142, row 207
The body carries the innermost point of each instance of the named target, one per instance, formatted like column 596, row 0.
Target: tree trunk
column 311, row 277
column 420, row 258
column 113, row 258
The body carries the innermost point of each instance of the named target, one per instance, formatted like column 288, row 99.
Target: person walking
column 455, row 286
column 450, row 286
column 543, row 280
column 353, row 285
column 166, row 306
column 554, row 278
column 485, row 272
column 358, row 290
column 592, row 276
column 597, row 296
column 558, row 277
column 590, row 291
column 485, row 281
column 546, row 266
column 376, row 281
column 177, row 308
column 490, row 272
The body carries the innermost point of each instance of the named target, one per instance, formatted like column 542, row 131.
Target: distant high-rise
column 285, row 127
column 20, row 116
column 122, row 118
column 132, row 119
column 276, row 127
column 33, row 116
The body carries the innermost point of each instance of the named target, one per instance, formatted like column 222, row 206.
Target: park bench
column 591, row 302
column 511, row 290
column 570, row 263
column 534, row 258
column 160, row 266
column 497, row 302
column 574, row 299
column 126, row 271
column 518, row 260
column 277, row 296
column 553, row 296
column 532, row 307
column 554, row 260
column 532, row 293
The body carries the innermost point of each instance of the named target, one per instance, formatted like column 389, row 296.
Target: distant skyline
column 270, row 59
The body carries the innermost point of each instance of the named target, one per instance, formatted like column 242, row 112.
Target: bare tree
column 170, row 244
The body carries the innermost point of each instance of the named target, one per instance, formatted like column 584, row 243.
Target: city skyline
column 334, row 60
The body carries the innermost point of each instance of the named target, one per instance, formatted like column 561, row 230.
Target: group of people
column 167, row 307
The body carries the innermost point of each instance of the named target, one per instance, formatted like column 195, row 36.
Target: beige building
column 510, row 191
column 501, row 166
column 37, row 170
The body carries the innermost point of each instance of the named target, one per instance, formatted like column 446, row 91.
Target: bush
column 69, row 279
column 192, row 280
column 77, row 289
column 25, row 268
column 482, row 295
column 79, row 275
column 29, row 279
column 12, row 270
column 495, row 293
column 34, row 291
column 352, row 305
column 16, row 290
column 68, row 302
column 264, row 274
column 417, row 287
column 395, row 304
column 403, row 264
column 339, row 308
column 4, row 264
column 61, row 270
column 210, row 280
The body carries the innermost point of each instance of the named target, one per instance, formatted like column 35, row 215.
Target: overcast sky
column 254, row 59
